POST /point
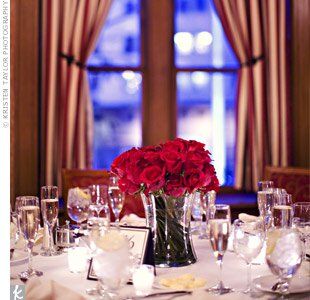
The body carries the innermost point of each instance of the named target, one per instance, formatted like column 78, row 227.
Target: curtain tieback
column 252, row 61
column 71, row 60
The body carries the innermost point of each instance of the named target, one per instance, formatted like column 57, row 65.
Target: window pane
column 117, row 111
column 199, row 37
column 206, row 112
column 119, row 41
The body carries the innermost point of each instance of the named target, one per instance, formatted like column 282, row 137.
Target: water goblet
column 78, row 205
column 219, row 224
column 282, row 211
column 29, row 218
column 303, row 228
column 283, row 256
column 302, row 211
column 263, row 185
column 49, row 210
column 248, row 243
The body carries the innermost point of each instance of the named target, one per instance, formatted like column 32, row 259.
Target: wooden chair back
column 295, row 181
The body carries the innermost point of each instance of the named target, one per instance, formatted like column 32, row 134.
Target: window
column 115, row 81
column 205, row 71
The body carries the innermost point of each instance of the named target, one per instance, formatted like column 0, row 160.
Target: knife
column 160, row 294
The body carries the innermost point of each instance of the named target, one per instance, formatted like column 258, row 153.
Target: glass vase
column 169, row 217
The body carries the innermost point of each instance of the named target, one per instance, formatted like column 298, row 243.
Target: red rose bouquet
column 174, row 168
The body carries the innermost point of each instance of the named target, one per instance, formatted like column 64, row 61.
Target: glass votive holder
column 65, row 238
column 143, row 279
column 77, row 259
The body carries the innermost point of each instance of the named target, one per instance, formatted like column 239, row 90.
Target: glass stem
column 30, row 268
column 249, row 277
column 220, row 263
column 51, row 242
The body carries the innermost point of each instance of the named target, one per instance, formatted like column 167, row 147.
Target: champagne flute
column 263, row 185
column 265, row 202
column 29, row 217
column 196, row 214
column 219, row 222
column 283, row 256
column 78, row 205
column 248, row 243
column 282, row 211
column 49, row 210
column 117, row 198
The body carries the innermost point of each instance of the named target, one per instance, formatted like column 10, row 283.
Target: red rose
column 194, row 179
column 173, row 160
column 194, row 146
column 152, row 174
column 128, row 186
column 177, row 145
column 175, row 186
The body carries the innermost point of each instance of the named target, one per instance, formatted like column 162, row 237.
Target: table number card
column 140, row 243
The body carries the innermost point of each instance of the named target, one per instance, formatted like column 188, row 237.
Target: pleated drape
column 70, row 32
column 256, row 30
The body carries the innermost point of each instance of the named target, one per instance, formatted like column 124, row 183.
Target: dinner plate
column 158, row 285
column 19, row 256
column 297, row 285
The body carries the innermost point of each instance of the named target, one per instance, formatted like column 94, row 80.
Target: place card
column 140, row 243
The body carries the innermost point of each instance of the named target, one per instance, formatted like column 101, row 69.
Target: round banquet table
column 234, row 274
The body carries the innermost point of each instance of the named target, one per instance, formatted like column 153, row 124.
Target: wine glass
column 283, row 256
column 302, row 211
column 99, row 197
column 117, row 198
column 219, row 223
column 282, row 211
column 303, row 228
column 78, row 205
column 248, row 243
column 263, row 185
column 29, row 218
column 49, row 210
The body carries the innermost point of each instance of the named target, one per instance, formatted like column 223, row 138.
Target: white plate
column 158, row 285
column 19, row 256
column 297, row 285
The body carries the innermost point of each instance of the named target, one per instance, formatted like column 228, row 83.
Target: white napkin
column 248, row 218
column 49, row 290
column 133, row 220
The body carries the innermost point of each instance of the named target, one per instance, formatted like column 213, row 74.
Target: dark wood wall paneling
column 301, row 81
column 24, row 97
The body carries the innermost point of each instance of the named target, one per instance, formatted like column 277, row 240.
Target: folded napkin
column 49, row 290
column 248, row 218
column 133, row 220
column 20, row 243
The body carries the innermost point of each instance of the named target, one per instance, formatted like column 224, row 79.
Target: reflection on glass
column 116, row 98
column 197, row 43
column 206, row 112
column 119, row 41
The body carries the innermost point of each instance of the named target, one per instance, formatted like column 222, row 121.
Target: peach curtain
column 70, row 32
column 256, row 30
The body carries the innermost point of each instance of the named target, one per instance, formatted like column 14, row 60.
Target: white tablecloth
column 234, row 273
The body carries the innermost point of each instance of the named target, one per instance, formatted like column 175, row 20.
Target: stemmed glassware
column 282, row 211
column 117, row 198
column 207, row 200
column 78, row 205
column 301, row 222
column 29, row 218
column 219, row 223
column 99, row 198
column 248, row 242
column 283, row 256
column 264, row 185
column 49, row 210
column 265, row 202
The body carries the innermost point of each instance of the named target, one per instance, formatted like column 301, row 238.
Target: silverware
column 161, row 294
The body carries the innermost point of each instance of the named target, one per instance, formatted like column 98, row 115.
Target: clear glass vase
column 169, row 217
